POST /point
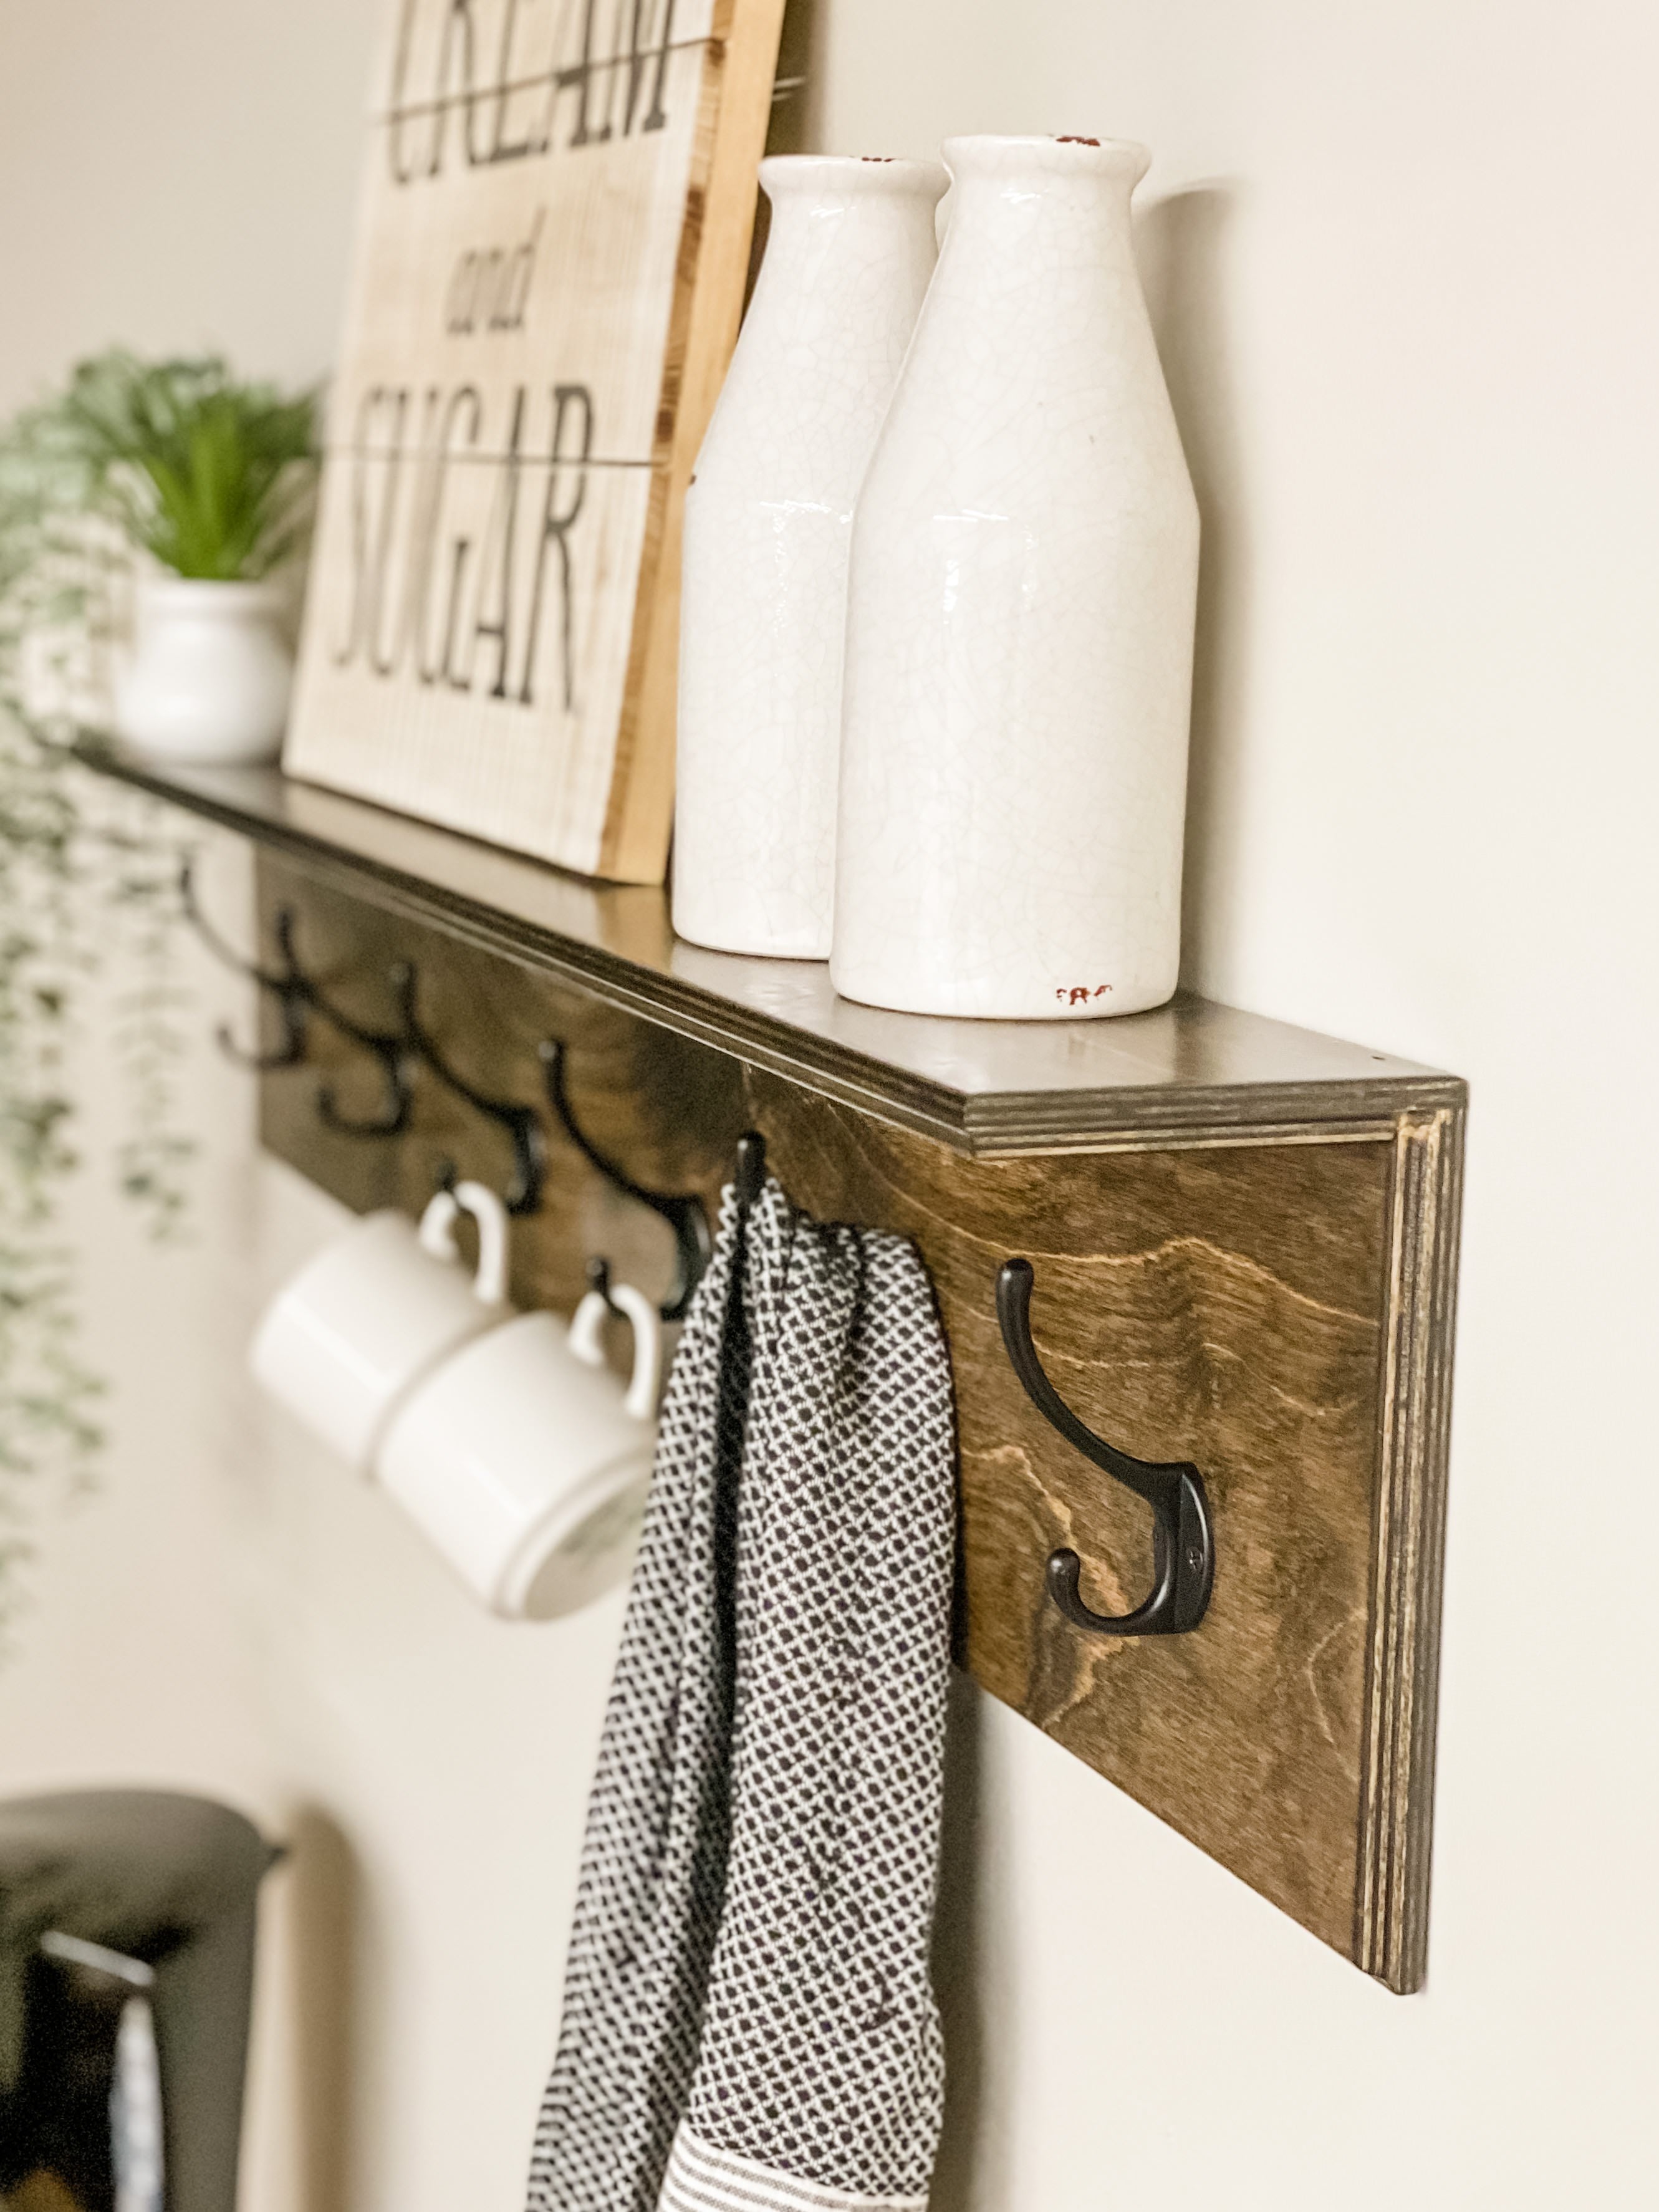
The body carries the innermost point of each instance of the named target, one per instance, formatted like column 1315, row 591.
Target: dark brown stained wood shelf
column 1245, row 1245
column 1192, row 1074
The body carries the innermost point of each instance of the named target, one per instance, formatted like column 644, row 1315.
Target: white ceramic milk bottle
column 1020, row 615
column 768, row 520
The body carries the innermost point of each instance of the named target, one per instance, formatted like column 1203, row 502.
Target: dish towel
column 749, row 2023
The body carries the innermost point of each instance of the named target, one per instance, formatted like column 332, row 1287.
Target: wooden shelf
column 1246, row 1244
column 1193, row 1073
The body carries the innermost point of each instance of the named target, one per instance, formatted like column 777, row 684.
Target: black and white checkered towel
column 749, row 2024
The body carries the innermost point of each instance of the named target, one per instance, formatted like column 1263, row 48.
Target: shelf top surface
column 1191, row 1067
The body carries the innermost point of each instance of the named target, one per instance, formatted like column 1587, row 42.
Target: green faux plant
column 213, row 478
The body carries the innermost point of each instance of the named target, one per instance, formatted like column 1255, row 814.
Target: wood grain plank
column 1225, row 1308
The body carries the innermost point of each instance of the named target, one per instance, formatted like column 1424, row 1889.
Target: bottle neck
column 812, row 227
column 797, row 186
column 1039, row 216
column 797, row 213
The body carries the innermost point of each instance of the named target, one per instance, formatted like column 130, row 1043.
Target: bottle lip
column 984, row 155
column 887, row 173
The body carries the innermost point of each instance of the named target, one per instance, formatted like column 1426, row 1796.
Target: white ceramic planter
column 768, row 520
column 210, row 675
column 1020, row 619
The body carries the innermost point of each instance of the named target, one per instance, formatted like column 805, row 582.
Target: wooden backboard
column 553, row 239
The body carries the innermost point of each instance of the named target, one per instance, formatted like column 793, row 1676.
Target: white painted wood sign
column 552, row 245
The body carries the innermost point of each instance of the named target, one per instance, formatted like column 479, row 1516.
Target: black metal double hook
column 1183, row 1541
column 286, row 986
column 686, row 1215
column 691, row 1227
column 521, row 1125
column 397, row 1077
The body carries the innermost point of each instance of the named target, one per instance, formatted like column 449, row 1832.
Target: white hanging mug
column 526, row 1462
column 369, row 1318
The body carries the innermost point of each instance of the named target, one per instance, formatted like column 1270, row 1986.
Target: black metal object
column 686, row 1215
column 1183, row 1543
column 392, row 1050
column 102, row 1892
column 299, row 996
column 288, row 987
column 394, row 1117
column 748, row 1177
column 522, row 1125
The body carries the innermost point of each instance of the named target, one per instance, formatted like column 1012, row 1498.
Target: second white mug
column 526, row 1462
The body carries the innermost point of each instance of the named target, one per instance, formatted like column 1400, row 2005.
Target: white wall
column 176, row 175
column 1403, row 260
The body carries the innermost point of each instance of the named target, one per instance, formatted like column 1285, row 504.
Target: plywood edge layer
column 1392, row 1887
column 1263, row 1113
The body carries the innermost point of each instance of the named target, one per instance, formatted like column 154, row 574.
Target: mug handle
column 437, row 1236
column 584, row 1340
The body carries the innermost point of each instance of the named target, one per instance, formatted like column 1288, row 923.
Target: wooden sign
column 552, row 246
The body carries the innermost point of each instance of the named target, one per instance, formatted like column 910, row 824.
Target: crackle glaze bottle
column 768, row 520
column 1021, row 599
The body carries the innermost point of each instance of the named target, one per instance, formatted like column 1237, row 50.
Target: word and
column 475, row 83
column 491, row 285
column 458, row 546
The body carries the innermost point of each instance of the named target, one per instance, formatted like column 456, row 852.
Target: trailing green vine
column 47, row 1396
column 177, row 462
column 87, row 880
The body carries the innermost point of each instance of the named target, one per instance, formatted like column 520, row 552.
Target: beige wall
column 1403, row 260
column 177, row 174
